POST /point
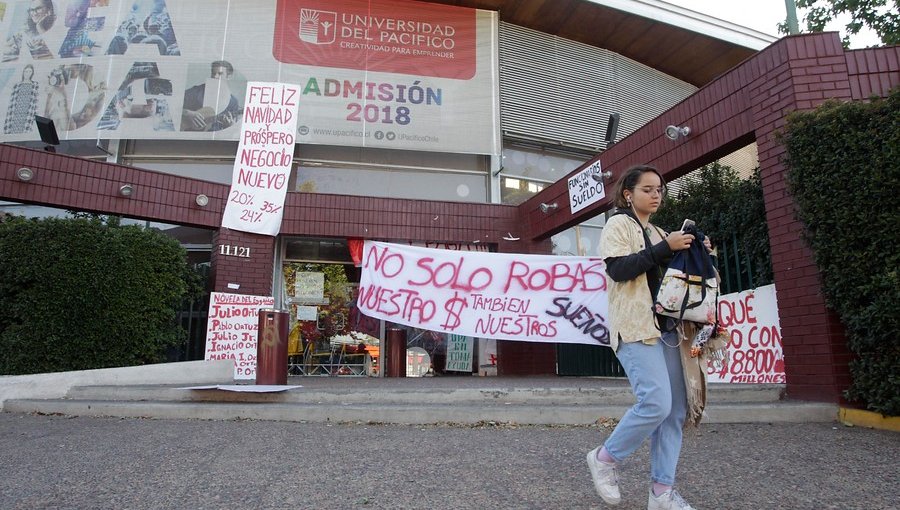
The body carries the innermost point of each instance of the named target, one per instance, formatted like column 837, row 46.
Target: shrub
column 844, row 174
column 79, row 294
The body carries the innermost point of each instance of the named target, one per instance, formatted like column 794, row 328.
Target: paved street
column 60, row 462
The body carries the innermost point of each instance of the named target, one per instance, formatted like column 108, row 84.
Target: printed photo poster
column 506, row 296
column 399, row 74
column 755, row 350
column 264, row 158
column 232, row 330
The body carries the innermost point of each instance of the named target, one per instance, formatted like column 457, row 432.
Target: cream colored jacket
column 630, row 303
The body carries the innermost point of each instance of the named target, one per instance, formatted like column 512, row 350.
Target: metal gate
column 587, row 360
column 192, row 317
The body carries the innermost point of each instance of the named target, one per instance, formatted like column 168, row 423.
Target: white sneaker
column 669, row 500
column 606, row 478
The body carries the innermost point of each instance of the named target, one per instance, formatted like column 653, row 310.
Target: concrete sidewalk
column 426, row 400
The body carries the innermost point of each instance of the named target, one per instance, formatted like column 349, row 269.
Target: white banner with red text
column 754, row 351
column 505, row 296
column 264, row 158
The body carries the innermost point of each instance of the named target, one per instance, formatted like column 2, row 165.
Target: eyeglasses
column 36, row 10
column 653, row 191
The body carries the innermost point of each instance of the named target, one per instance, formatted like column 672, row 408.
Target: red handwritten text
column 560, row 277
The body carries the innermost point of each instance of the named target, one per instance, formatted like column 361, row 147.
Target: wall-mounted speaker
column 612, row 127
column 47, row 130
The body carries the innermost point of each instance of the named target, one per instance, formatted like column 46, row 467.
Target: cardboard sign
column 754, row 351
column 459, row 354
column 264, row 159
column 232, row 329
column 584, row 190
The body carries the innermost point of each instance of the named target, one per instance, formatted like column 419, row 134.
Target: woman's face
column 38, row 11
column 28, row 73
column 647, row 194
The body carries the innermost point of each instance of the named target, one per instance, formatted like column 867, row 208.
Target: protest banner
column 754, row 350
column 232, row 328
column 264, row 158
column 507, row 296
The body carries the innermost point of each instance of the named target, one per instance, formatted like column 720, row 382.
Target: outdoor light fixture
column 25, row 174
column 673, row 132
column 602, row 175
column 126, row 190
column 202, row 200
column 545, row 208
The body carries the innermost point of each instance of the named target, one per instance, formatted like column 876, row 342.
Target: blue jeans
column 656, row 378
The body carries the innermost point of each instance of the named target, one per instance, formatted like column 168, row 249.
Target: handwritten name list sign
column 264, row 158
column 538, row 298
column 232, row 330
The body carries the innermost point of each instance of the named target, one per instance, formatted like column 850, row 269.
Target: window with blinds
column 561, row 92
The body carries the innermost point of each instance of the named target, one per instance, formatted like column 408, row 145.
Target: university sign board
column 399, row 74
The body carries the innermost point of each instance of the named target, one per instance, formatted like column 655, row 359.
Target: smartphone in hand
column 687, row 224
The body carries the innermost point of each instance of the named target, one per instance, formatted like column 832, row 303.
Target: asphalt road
column 60, row 462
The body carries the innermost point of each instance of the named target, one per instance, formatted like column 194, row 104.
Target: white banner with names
column 232, row 329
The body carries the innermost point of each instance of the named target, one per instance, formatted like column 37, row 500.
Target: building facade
column 437, row 123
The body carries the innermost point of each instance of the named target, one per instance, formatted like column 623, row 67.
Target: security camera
column 548, row 207
column 599, row 176
column 673, row 132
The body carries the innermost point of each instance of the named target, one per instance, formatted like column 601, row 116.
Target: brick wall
column 807, row 71
column 873, row 71
column 253, row 274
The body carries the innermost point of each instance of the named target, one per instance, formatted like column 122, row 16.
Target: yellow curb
column 861, row 418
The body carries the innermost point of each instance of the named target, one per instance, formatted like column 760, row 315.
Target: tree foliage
column 844, row 173
column 80, row 294
column 729, row 210
column 878, row 15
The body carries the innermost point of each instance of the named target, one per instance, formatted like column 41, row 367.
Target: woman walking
column 636, row 254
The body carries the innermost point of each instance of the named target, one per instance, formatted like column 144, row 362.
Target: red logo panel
column 392, row 36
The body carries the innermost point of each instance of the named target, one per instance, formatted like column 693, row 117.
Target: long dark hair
column 629, row 180
column 47, row 22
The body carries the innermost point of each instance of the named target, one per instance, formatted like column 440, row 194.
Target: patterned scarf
column 695, row 352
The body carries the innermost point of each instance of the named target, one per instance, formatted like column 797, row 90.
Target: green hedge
column 79, row 294
column 844, row 173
